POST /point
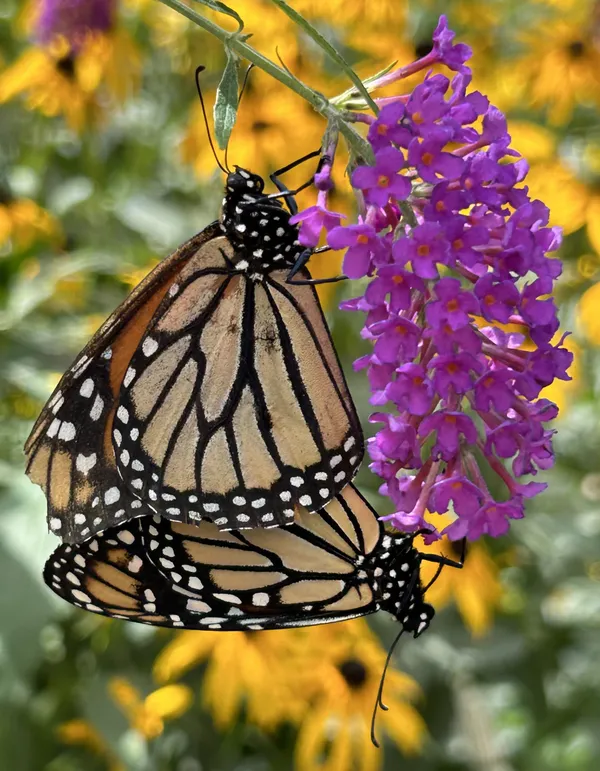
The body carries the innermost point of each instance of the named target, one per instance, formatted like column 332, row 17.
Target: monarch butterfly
column 213, row 392
column 339, row 565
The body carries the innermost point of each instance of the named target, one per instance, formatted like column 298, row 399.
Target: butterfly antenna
column 379, row 700
column 224, row 169
column 242, row 89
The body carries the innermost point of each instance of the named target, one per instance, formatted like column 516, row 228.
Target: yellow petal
column 593, row 222
column 588, row 318
column 169, row 702
column 534, row 142
column 126, row 695
column 479, row 593
column 184, row 652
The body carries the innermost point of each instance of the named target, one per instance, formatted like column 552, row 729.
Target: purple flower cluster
column 455, row 248
column 73, row 19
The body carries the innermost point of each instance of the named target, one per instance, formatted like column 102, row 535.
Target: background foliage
column 104, row 168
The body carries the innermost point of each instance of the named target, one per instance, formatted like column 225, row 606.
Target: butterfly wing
column 235, row 408
column 168, row 574
column 70, row 449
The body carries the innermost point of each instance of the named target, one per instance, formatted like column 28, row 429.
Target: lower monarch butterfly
column 339, row 565
column 321, row 569
column 213, row 392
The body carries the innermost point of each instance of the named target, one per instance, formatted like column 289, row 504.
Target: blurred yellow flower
column 245, row 669
column 475, row 589
column 147, row 716
column 55, row 80
column 588, row 317
column 343, row 671
column 549, row 179
column 24, row 223
column 562, row 66
column 81, row 733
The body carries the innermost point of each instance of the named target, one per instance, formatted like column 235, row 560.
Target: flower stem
column 359, row 146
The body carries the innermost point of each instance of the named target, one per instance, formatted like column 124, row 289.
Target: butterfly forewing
column 236, row 409
column 70, row 449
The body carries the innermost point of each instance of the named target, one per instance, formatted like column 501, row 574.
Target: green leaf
column 226, row 103
column 215, row 5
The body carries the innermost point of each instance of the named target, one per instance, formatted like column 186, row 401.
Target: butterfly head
column 242, row 182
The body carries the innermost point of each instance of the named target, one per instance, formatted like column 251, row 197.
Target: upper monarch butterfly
column 213, row 391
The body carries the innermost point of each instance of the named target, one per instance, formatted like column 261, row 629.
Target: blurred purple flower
column 73, row 19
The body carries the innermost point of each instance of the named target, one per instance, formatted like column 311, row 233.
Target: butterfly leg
column 289, row 194
column 443, row 561
column 301, row 262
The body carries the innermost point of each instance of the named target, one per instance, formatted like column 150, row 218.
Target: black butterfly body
column 213, row 392
column 337, row 566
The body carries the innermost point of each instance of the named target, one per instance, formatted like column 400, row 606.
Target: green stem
column 334, row 55
column 359, row 146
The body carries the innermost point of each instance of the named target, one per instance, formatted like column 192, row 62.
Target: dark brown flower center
column 576, row 49
column 66, row 66
column 354, row 673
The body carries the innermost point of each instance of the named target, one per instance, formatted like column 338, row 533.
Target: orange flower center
column 362, row 239
column 489, row 299
column 401, row 330
column 382, row 129
column 468, row 183
column 423, row 250
column 488, row 382
column 450, row 418
column 427, row 158
column 456, row 485
column 440, row 206
column 383, row 181
column 417, row 380
column 458, row 243
column 398, row 279
column 417, row 118
column 452, row 305
column 452, row 367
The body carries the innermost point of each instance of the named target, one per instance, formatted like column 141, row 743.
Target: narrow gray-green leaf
column 226, row 103
column 216, row 5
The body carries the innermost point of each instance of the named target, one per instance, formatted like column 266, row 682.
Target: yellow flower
column 342, row 673
column 475, row 589
column 562, row 66
column 24, row 223
column 549, row 179
column 80, row 732
column 57, row 81
column 147, row 716
column 254, row 670
column 588, row 318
